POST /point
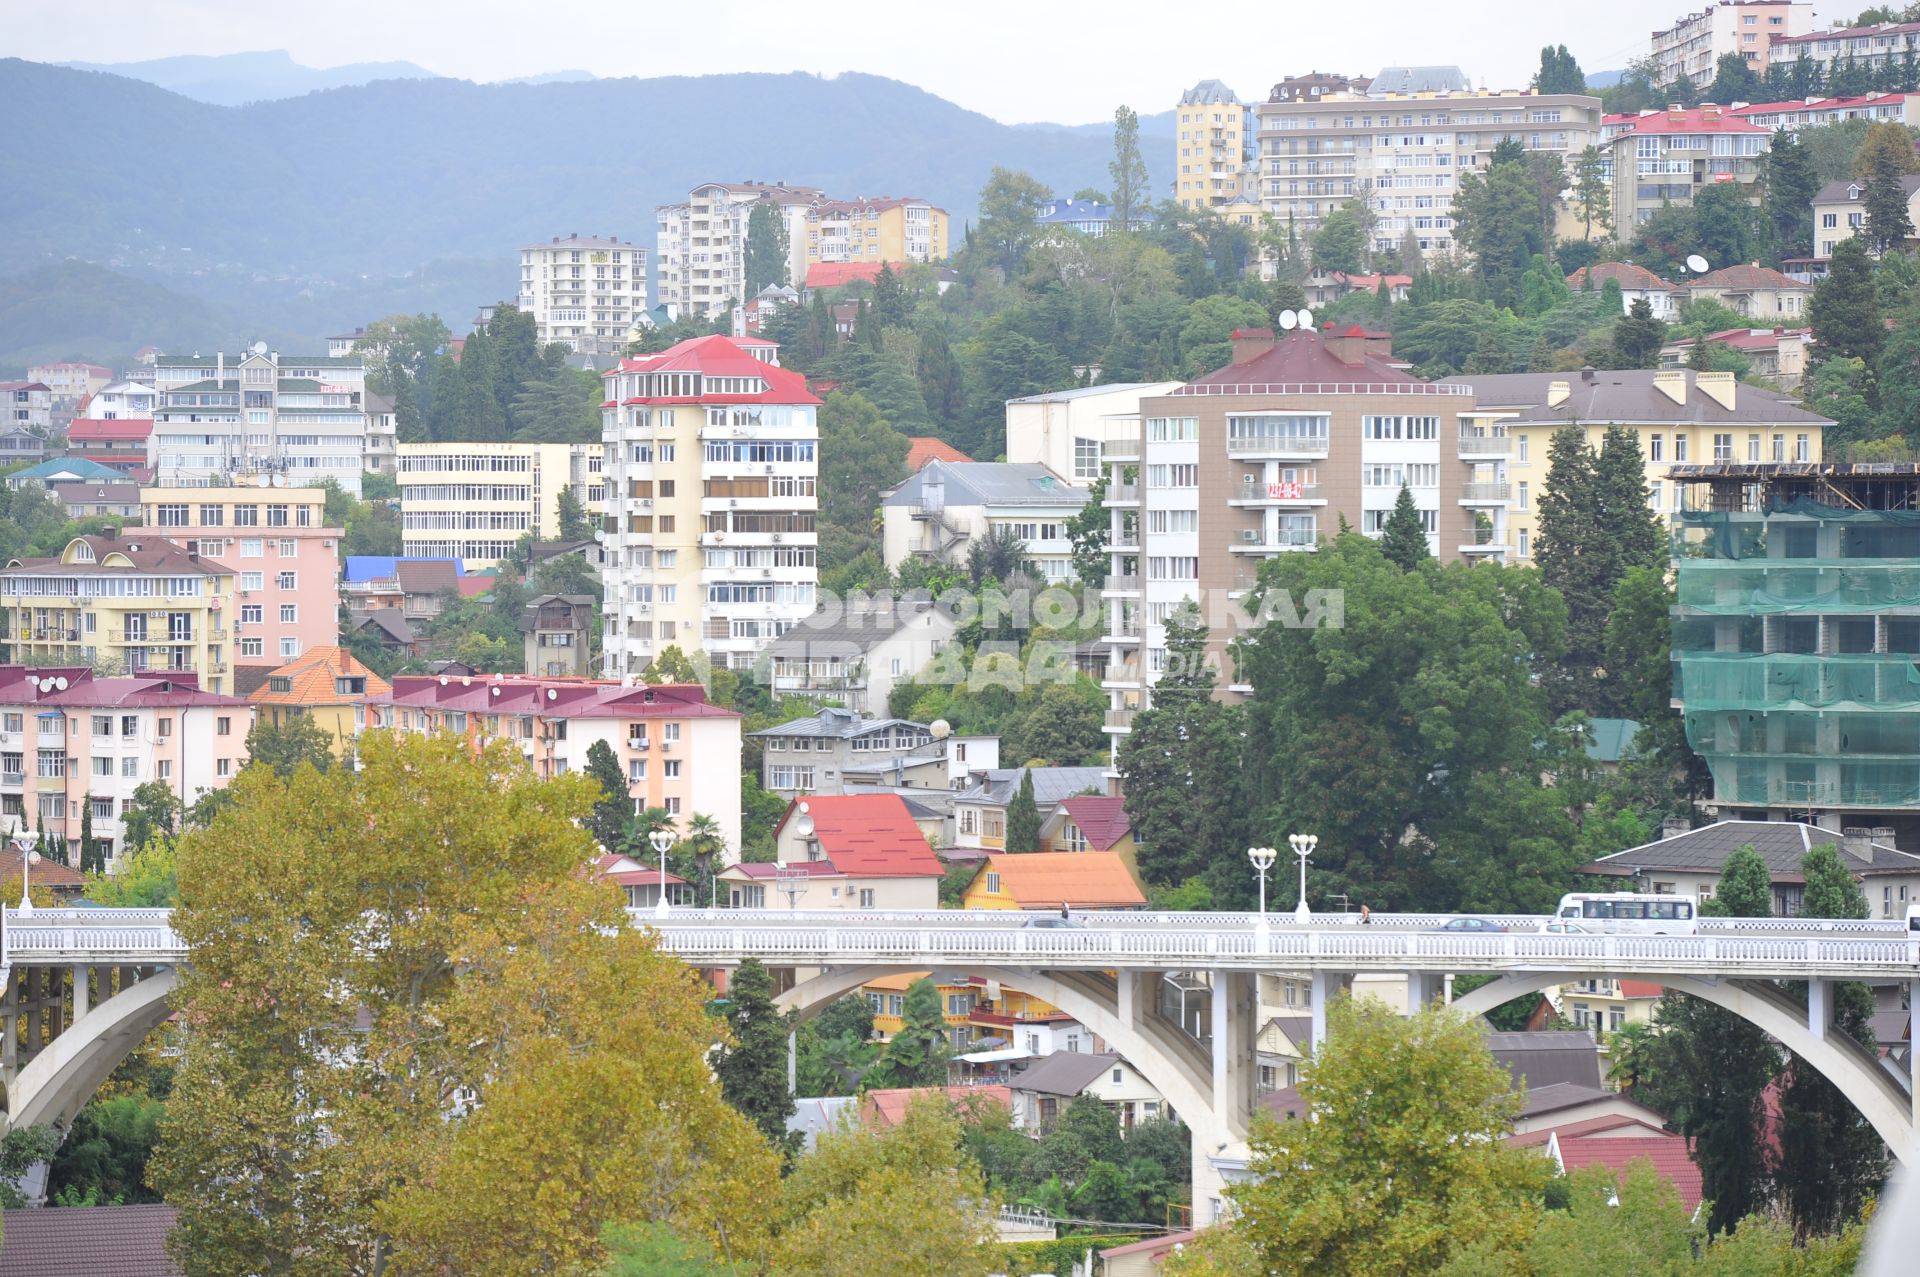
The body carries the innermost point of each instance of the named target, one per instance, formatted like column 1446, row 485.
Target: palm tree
column 704, row 841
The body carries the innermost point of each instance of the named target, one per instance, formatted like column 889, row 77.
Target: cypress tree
column 1845, row 313
column 1638, row 336
column 1403, row 539
column 753, row 1067
column 1567, row 550
column 89, row 854
column 1023, row 816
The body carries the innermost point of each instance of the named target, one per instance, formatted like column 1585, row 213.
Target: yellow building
column 1214, row 139
column 876, row 230
column 1680, row 417
column 327, row 685
column 1051, row 880
column 123, row 603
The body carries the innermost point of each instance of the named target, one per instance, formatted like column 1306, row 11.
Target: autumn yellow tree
column 418, row 1039
column 906, row 1199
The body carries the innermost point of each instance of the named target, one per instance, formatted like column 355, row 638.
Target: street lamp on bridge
column 28, row 847
column 1263, row 858
column 662, row 840
column 1303, row 845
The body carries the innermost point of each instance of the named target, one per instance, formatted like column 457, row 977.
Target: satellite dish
column 1306, row 319
column 1288, row 319
column 553, row 694
column 60, row 684
column 259, row 347
column 1697, row 264
column 940, row 729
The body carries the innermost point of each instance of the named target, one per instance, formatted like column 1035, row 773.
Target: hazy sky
column 1025, row 61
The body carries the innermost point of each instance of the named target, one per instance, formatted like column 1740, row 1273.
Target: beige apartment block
column 584, row 291
column 1215, row 149
column 472, row 501
column 1694, row 45
column 1668, row 156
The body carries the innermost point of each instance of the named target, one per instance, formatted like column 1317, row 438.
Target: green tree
column 1845, row 312
column 1837, row 389
column 1638, row 336
column 572, row 516
column 1496, row 216
column 153, row 810
column 1899, row 376
column 1888, row 224
column 917, row 1054
column 1404, row 1166
column 1733, row 81
column 752, row 1066
column 1088, row 532
column 1723, row 221
column 1064, row 728
column 1559, row 73
column 296, row 741
column 1023, row 817
column 1592, row 193
column 91, row 859
column 562, row 408
column 1403, row 539
column 103, row 1159
column 145, row 878
column 861, row 457
column 614, row 806
column 1638, row 657
column 767, row 249
column 1631, row 1223
column 1340, row 245
column 1630, row 1056
column 1009, row 212
column 942, row 386
column 1884, row 146
column 1128, row 169
column 1789, row 182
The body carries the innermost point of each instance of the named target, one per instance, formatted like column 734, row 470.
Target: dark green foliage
column 1088, row 532
column 767, row 249
column 1497, row 218
column 917, row 1054
column 1845, row 313
column 861, row 456
column 1340, row 244
column 154, row 810
column 103, row 1160
column 1559, row 73
column 1723, row 223
column 1508, row 1017
column 1128, row 170
column 615, row 807
column 1709, row 1069
column 1790, row 182
column 1403, row 540
column 752, row 1068
column 1733, row 81
column 1638, row 336
column 1023, row 817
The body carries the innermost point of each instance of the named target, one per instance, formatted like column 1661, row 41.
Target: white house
column 948, row 505
column 1066, row 430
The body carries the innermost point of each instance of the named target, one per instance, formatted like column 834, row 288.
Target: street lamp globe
column 1263, row 858
column 1303, row 845
column 662, row 840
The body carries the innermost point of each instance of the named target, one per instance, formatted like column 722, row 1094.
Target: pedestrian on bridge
column 1366, row 916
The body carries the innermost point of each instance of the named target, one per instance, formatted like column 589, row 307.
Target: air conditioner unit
column 1250, row 535
column 769, row 468
column 327, row 544
column 766, row 571
column 666, row 747
column 778, row 538
column 643, row 607
column 734, row 501
column 640, row 743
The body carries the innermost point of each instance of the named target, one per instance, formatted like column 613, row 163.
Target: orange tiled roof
column 313, row 675
column 1077, row 879
column 926, row 448
column 887, row 1106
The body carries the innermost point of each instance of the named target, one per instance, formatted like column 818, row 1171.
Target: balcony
column 1122, row 494
column 1120, row 720
column 1485, row 541
column 12, row 780
column 1255, row 541
column 1257, row 493
column 1485, row 445
column 1122, row 583
column 1119, row 450
column 1484, row 493
column 1278, row 446
column 1122, row 673
column 1123, row 540
column 1125, row 632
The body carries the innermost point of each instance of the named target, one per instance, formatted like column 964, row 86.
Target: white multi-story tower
column 710, row 466
column 584, row 291
column 299, row 419
column 700, row 253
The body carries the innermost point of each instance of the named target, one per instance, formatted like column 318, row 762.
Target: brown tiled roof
column 46, row 873
column 1749, row 276
column 1301, row 357
column 426, row 576
column 1103, row 820
column 313, row 676
column 88, row 1241
column 144, row 549
column 925, row 448
column 1631, row 278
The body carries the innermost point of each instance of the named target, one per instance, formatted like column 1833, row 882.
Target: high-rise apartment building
column 472, row 501
column 1265, row 457
column 1403, row 149
column 1215, row 144
column 124, row 602
column 709, row 527
column 1665, row 157
column 584, row 291
column 1694, row 45
column 700, row 253
column 301, row 418
column 1871, row 47
column 285, row 559
column 874, row 230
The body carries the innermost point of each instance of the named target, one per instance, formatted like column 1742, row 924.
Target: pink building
column 68, row 739
column 286, row 562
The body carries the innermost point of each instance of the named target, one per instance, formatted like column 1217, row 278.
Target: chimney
column 1885, row 836
column 1672, row 382
column 1558, row 392
column 219, row 366
column 1717, row 386
column 1251, row 343
column 1676, row 113
column 1709, row 111
column 1674, row 826
column 1586, row 372
column 1348, row 345
column 1858, row 841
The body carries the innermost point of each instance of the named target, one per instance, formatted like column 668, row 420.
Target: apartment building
column 327, row 686
column 1795, row 631
column 946, row 506
column 20, row 446
column 856, row 653
column 1087, row 217
column 1265, row 457
column 1680, row 416
column 472, row 501
column 300, row 418
column 1840, row 213
column 73, row 742
column 121, row 401
column 557, row 635
column 1065, row 430
column 70, row 382
column 285, row 560
column 887, row 229
column 709, row 523
column 679, row 752
column 90, row 500
column 1810, row 113
column 584, row 291
column 1216, row 148
column 700, row 249
column 383, row 434
column 1403, row 147
column 1871, row 46
column 1664, row 157
column 127, row 602
column 28, row 405
column 1694, row 45
column 118, row 442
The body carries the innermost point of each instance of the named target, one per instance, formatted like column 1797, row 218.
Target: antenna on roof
column 1697, row 264
column 1306, row 318
column 1287, row 320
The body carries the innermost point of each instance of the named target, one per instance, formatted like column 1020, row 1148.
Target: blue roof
column 373, row 567
column 1074, row 211
column 79, row 467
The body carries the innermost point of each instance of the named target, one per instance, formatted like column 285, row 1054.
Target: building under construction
column 1796, row 638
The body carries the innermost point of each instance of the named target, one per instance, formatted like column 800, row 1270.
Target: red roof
column 886, row 1106
column 30, row 685
column 549, row 697
column 1696, row 120
column 1630, row 277
column 1103, row 820
column 1668, row 1153
column 1816, row 104
column 1152, row 1246
column 1747, row 276
column 1620, row 1122
column 1301, row 357
column 717, row 356
column 1640, row 989
column 840, row 274
column 472, row 587
column 84, row 430
column 623, row 872
column 868, row 835
column 926, row 448
column 1371, row 283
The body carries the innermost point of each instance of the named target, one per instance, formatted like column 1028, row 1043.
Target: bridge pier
column 1819, row 1007
column 1423, row 988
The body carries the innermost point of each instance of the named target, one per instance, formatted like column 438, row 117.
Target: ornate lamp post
column 1303, row 845
column 1263, row 858
column 662, row 840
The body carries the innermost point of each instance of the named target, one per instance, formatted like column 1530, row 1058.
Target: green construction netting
column 1857, row 735
column 1790, row 680
column 1794, row 530
column 1792, row 783
column 1752, row 587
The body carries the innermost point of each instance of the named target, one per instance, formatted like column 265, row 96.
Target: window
column 163, row 770
column 289, row 648
column 993, row 876
column 103, row 724
column 1521, row 490
column 252, row 613
column 672, row 806
column 1656, row 447
column 252, row 580
column 1522, row 551
column 102, row 766
column 866, row 897
column 288, row 549
column 252, row 547
column 163, row 727
column 223, row 727
column 289, row 613
column 223, row 767
column 1723, row 447
column 672, row 769
column 1086, row 458
column 252, row 647
column 1679, row 448
column 285, row 581
column 1521, row 454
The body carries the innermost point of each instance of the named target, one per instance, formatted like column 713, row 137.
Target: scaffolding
column 1796, row 633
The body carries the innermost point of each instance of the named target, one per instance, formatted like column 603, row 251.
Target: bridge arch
column 53, row 1086
column 1868, row 1084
